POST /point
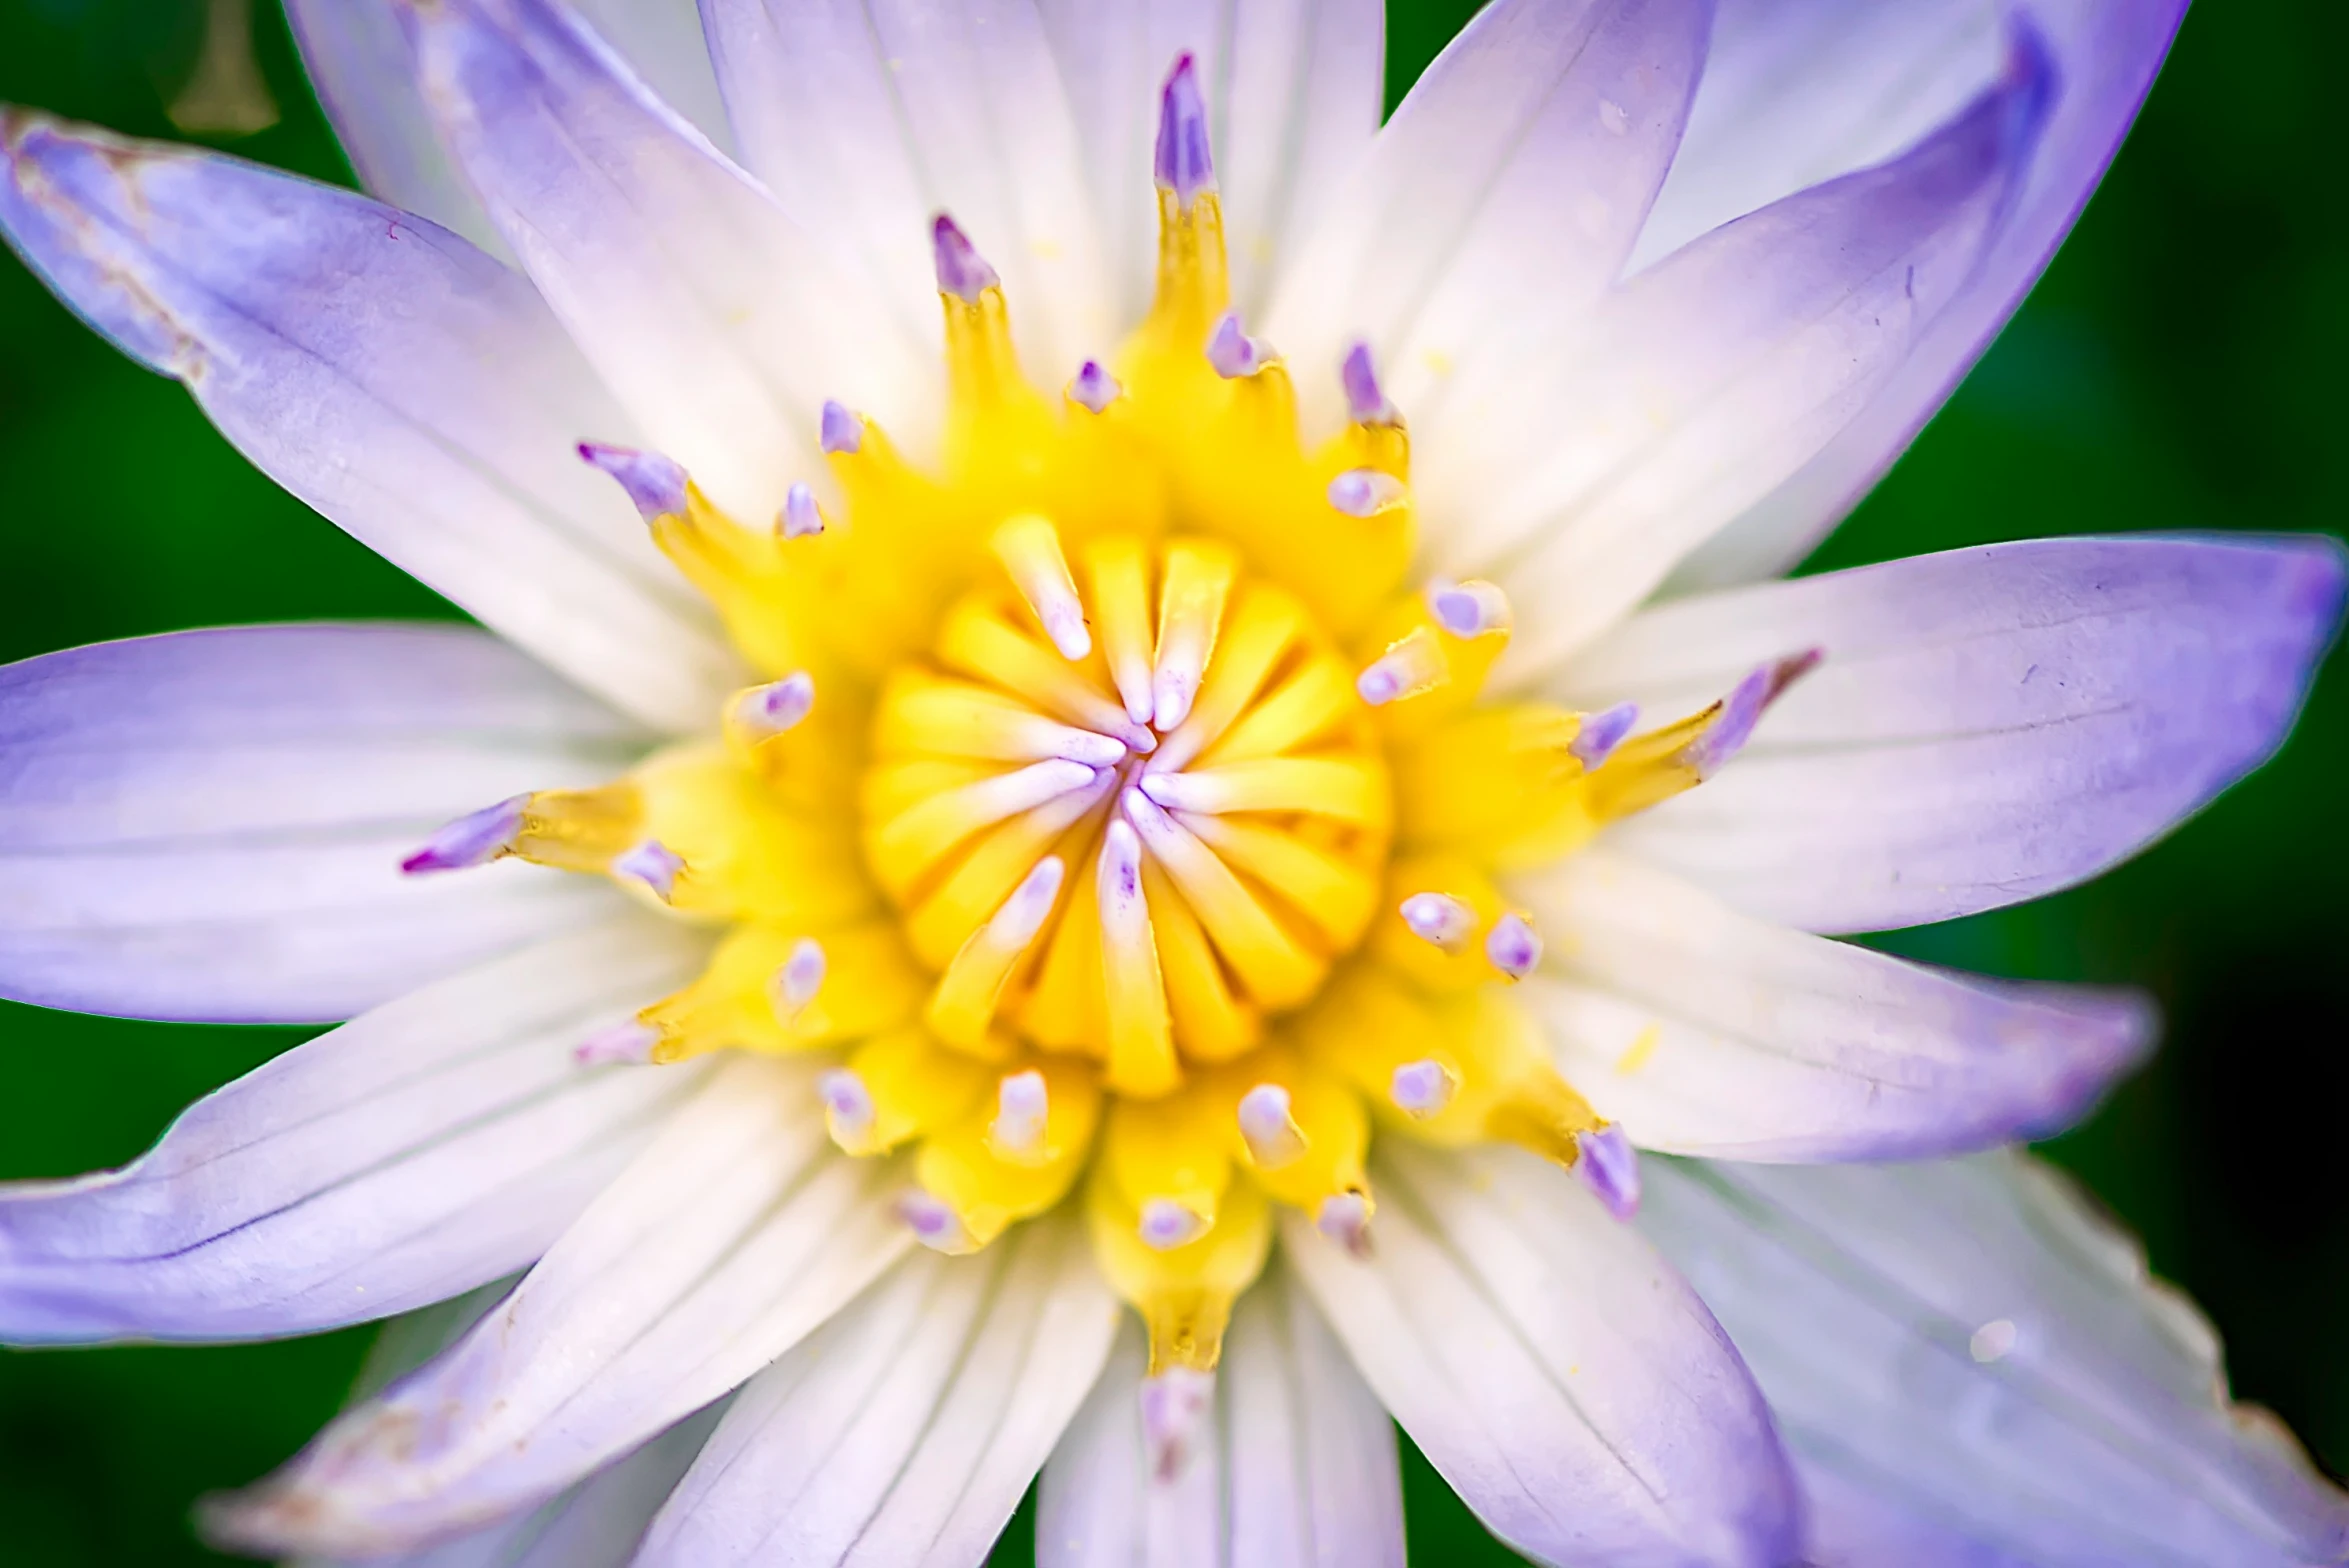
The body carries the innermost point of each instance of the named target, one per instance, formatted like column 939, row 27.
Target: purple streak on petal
column 1173, row 1403
column 1182, row 163
column 1727, row 735
column 1601, row 733
column 1232, row 352
column 800, row 517
column 1366, row 402
column 1608, row 1165
column 623, row 1044
column 840, row 431
column 655, row 483
column 475, row 839
column 1094, row 387
column 652, row 863
column 1365, row 492
column 962, row 271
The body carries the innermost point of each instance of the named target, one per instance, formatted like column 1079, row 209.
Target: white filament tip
column 1440, row 919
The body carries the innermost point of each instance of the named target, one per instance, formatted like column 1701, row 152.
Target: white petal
column 1796, row 92
column 712, row 315
column 905, row 1431
column 1556, row 1371
column 1986, row 726
column 1970, row 1345
column 1294, row 1467
column 1579, row 477
column 869, row 116
column 1293, row 90
column 1705, row 1031
column 442, row 1140
column 734, row 1235
column 1500, row 200
column 409, row 387
column 596, row 1524
column 209, row 825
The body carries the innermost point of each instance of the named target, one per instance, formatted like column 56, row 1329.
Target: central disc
column 1129, row 805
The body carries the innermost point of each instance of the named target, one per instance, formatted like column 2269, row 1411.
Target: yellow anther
column 1184, row 1293
column 960, row 1171
column 1140, row 1030
column 1120, row 578
column 897, row 1087
column 1211, row 1022
column 1262, row 629
column 1304, row 709
column 979, row 642
column 762, row 993
column 1190, row 612
column 1350, row 789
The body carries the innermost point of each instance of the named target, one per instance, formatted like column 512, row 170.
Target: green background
column 2178, row 369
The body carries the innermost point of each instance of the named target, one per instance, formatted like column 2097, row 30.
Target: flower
column 1074, row 735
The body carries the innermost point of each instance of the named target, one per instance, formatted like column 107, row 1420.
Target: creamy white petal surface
column 711, row 313
column 442, row 1140
column 1797, row 90
column 1292, row 1466
column 1987, row 725
column 732, row 1236
column 210, row 825
column 1704, row 1031
column 905, row 1431
column 1497, row 206
column 597, row 1524
column 406, row 385
column 1558, row 1373
column 1977, row 1352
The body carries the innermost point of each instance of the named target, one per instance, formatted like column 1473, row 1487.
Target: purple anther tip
column 1172, row 1404
column 1513, row 946
column 1726, row 736
column 652, row 863
column 1607, row 1164
column 769, row 710
column 962, row 271
column 1439, row 919
column 1167, row 1224
column 1094, row 388
column 1468, row 609
column 1231, row 351
column 1344, row 1217
column 1421, row 1088
column 1364, row 492
column 846, row 1099
column 933, row 1223
column 800, row 517
column 1183, row 164
column 474, row 839
column 1365, row 402
column 839, row 430
column 655, row 483
column 1601, row 733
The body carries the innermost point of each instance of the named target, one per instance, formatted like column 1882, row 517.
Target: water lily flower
column 1128, row 741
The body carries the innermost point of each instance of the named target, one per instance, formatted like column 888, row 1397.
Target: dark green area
column 2179, row 369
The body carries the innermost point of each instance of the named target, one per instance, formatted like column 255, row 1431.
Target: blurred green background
column 2178, row 369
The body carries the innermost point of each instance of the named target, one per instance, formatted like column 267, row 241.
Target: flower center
column 1130, row 804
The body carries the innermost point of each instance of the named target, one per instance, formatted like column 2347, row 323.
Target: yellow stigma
column 1112, row 806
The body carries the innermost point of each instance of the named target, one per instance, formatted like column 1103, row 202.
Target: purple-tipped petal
column 961, row 270
column 655, row 484
column 440, row 1141
column 1094, row 388
column 1571, row 1387
column 413, row 390
column 984, row 1361
column 2091, row 69
column 760, row 1232
column 1993, row 724
column 839, row 431
column 1182, row 163
column 1232, row 352
column 1608, row 1166
column 1973, row 1365
column 475, row 839
column 209, row 825
column 1602, row 732
column 1703, row 1031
